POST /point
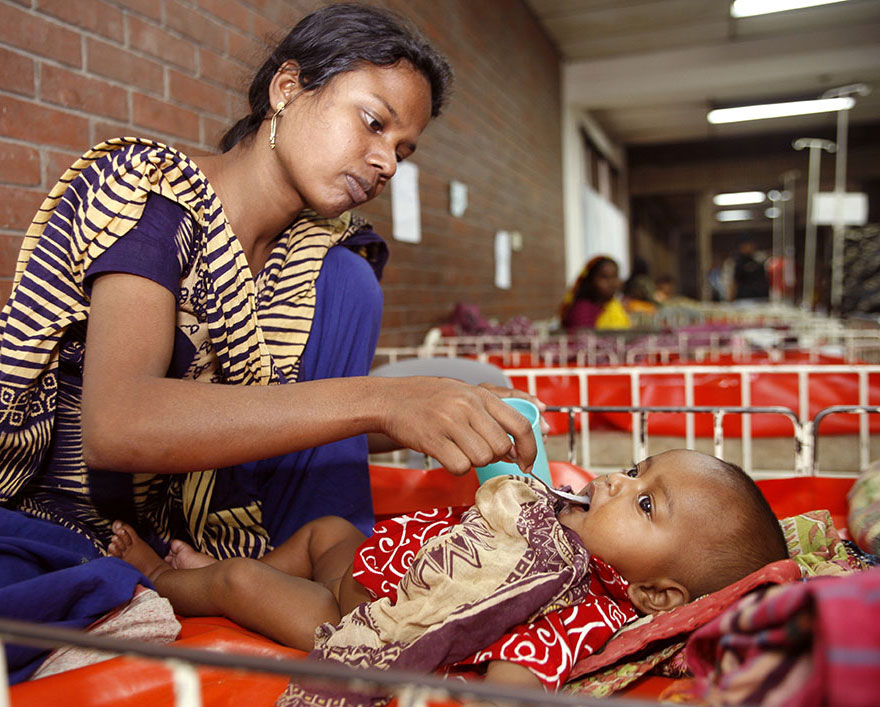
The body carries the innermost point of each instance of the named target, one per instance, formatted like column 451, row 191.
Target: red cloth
column 549, row 646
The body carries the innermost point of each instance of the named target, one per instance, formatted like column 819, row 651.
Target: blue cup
column 541, row 468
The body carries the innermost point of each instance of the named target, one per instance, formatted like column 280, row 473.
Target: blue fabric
column 148, row 249
column 333, row 479
column 52, row 575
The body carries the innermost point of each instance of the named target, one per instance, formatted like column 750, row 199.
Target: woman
column 592, row 302
column 160, row 300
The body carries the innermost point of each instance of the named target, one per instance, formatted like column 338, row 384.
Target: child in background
column 470, row 590
column 592, row 302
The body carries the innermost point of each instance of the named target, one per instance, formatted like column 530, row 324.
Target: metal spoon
column 564, row 495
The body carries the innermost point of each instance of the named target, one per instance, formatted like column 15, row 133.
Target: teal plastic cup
column 541, row 468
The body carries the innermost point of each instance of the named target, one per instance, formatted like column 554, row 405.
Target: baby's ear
column 659, row 595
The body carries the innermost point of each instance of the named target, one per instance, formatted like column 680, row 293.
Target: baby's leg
column 249, row 592
column 183, row 556
column 323, row 550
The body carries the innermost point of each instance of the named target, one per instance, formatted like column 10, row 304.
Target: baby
column 674, row 527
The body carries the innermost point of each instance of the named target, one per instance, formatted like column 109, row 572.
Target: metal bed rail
column 742, row 342
column 688, row 374
column 410, row 688
column 802, row 448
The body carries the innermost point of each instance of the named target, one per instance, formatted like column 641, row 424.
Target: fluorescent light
column 734, row 215
column 779, row 110
column 773, row 212
column 749, row 8
column 738, row 198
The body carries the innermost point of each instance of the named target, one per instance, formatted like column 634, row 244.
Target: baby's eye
column 645, row 504
column 632, row 472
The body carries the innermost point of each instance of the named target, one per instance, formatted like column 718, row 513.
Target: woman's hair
column 751, row 537
column 340, row 38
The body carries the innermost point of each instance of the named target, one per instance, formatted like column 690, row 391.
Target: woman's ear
column 660, row 595
column 285, row 84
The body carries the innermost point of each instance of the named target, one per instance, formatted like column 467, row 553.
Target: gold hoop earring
column 273, row 123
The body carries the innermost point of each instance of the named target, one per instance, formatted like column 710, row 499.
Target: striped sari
column 245, row 331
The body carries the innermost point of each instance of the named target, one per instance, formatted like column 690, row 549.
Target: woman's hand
column 503, row 392
column 458, row 424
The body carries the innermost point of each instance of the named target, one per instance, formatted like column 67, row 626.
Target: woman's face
column 606, row 281
column 341, row 144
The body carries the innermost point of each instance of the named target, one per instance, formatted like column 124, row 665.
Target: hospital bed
column 214, row 662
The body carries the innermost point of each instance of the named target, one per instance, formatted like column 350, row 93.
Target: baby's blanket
column 508, row 561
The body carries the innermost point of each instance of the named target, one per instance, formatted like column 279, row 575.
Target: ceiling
column 646, row 72
column 649, row 70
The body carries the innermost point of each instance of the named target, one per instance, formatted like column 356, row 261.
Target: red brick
column 66, row 88
column 112, row 62
column 165, row 118
column 268, row 32
column 229, row 11
column 196, row 25
column 246, row 49
column 279, row 10
column 17, row 209
column 198, row 93
column 29, row 31
column 9, row 248
column 103, row 130
column 19, row 164
column 23, row 120
column 17, row 75
column 158, row 42
column 225, row 72
column 5, row 290
column 95, row 15
column 148, row 8
column 57, row 164
column 213, row 130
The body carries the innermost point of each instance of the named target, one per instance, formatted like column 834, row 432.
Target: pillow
column 864, row 509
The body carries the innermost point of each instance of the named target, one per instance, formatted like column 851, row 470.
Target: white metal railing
column 529, row 377
column 743, row 343
column 805, row 433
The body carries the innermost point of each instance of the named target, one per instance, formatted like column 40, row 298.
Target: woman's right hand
column 458, row 424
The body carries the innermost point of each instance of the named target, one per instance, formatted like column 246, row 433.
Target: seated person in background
column 664, row 289
column 639, row 289
column 538, row 583
column 749, row 275
column 592, row 302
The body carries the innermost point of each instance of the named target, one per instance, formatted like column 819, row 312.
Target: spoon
column 564, row 495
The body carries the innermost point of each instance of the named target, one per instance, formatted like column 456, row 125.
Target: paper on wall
column 502, row 260
column 405, row 209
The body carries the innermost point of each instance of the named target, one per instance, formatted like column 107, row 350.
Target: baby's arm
column 502, row 672
column 506, row 673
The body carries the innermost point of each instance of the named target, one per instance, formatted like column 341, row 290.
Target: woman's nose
column 385, row 160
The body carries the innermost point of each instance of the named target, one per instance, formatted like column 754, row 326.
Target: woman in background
column 592, row 302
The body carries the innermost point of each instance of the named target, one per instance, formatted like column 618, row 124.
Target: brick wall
column 75, row 73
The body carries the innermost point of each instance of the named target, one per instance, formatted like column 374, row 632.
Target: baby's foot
column 183, row 556
column 127, row 545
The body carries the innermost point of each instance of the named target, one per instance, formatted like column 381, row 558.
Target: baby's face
column 643, row 520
